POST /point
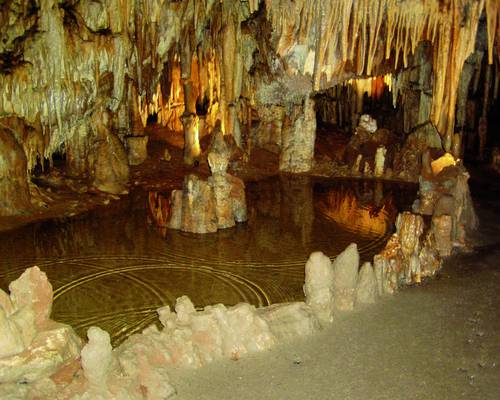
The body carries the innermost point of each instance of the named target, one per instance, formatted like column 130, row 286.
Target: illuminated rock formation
column 137, row 149
column 32, row 345
column 206, row 206
column 188, row 64
column 447, row 193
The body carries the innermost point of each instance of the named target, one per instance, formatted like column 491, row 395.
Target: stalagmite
column 33, row 346
column 191, row 138
column 298, row 137
column 345, row 278
column 366, row 288
column 379, row 169
column 97, row 358
column 442, row 229
column 14, row 191
column 82, row 81
column 137, row 149
column 318, row 287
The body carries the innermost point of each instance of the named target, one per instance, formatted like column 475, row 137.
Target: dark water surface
column 113, row 269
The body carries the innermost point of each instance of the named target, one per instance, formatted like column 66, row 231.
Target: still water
column 112, row 268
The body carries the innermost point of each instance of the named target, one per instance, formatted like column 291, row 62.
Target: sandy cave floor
column 440, row 340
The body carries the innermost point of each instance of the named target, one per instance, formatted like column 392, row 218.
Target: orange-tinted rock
column 14, row 191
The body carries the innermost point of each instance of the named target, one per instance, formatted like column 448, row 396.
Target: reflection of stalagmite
column 298, row 209
column 191, row 138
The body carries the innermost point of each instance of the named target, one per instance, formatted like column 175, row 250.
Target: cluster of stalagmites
column 444, row 195
column 204, row 206
column 40, row 357
column 377, row 152
column 105, row 166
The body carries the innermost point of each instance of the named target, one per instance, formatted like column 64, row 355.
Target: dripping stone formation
column 190, row 100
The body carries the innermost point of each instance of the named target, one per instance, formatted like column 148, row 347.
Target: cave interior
column 232, row 132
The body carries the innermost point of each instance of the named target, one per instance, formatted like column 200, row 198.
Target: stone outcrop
column 371, row 151
column 193, row 207
column 409, row 255
column 137, row 149
column 97, row 357
column 345, row 278
column 206, row 206
column 366, row 288
column 32, row 346
column 409, row 229
column 445, row 192
column 408, row 162
column 318, row 287
column 110, row 160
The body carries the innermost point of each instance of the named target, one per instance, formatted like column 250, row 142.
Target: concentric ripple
column 110, row 268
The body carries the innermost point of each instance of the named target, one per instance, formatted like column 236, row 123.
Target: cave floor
column 440, row 340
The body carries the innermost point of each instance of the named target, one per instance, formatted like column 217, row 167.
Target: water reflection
column 370, row 211
column 113, row 269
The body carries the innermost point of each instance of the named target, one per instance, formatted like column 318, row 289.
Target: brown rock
column 14, row 190
column 442, row 230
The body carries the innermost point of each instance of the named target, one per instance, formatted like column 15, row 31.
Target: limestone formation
column 191, row 138
column 442, row 230
column 408, row 162
column 410, row 254
column 97, row 357
column 447, row 193
column 298, row 136
column 289, row 320
column 387, row 266
column 429, row 257
column 345, row 278
column 137, row 149
column 197, row 207
column 219, row 153
column 409, row 228
column 11, row 341
column 32, row 290
column 318, row 287
column 110, row 166
column 380, row 161
column 206, row 206
column 366, row 124
column 366, row 288
column 31, row 345
column 14, row 190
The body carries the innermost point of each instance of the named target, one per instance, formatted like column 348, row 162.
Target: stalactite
column 451, row 27
column 493, row 18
